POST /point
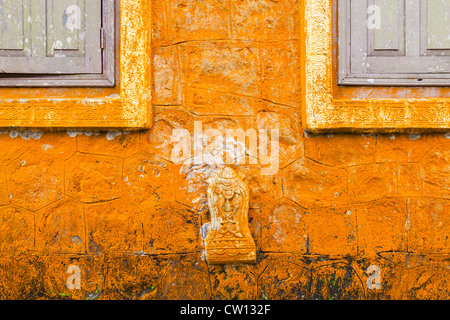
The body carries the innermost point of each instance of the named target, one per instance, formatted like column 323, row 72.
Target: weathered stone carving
column 229, row 239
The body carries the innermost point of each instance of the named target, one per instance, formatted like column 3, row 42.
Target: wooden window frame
column 129, row 109
column 104, row 79
column 323, row 110
column 349, row 50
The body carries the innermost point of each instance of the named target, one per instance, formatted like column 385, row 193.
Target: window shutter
column 408, row 44
column 50, row 36
column 435, row 31
column 11, row 26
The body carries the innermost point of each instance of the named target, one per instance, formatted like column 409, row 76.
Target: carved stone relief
column 229, row 240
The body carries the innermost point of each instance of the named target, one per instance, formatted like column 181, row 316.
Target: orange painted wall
column 114, row 204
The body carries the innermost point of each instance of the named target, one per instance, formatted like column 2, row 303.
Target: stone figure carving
column 229, row 239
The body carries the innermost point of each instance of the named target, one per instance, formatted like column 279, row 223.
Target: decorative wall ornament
column 323, row 112
column 229, row 240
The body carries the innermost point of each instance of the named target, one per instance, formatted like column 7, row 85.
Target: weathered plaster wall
column 115, row 204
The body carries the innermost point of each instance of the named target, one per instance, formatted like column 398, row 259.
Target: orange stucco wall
column 116, row 205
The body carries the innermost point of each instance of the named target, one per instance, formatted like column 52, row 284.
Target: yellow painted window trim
column 324, row 113
column 131, row 109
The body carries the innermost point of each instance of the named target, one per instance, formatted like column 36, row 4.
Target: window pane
column 438, row 24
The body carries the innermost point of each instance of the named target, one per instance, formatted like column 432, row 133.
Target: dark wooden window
column 57, row 42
